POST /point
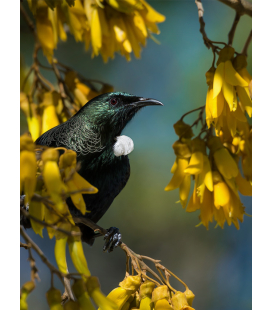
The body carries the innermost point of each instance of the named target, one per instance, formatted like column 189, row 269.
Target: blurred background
column 215, row 264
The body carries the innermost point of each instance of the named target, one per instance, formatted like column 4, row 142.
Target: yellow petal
column 152, row 15
column 81, row 183
column 244, row 97
column 231, row 122
column 96, row 33
column 184, row 190
column 206, row 209
column 196, row 163
column 60, row 254
column 228, row 94
column 245, row 75
column 221, row 194
column 219, row 216
column 162, row 304
column 218, row 79
column 49, row 118
column 45, row 33
column 33, row 127
column 77, row 198
column 77, row 254
column 28, row 168
column 239, row 114
column 194, row 202
column 208, row 174
column 36, row 209
column 225, row 163
column 232, row 76
column 178, row 174
column 244, row 186
column 174, row 167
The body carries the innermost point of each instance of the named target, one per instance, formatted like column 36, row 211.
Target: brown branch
column 27, row 19
column 240, row 6
column 24, row 245
column 233, row 28
column 207, row 41
column 202, row 23
column 244, row 51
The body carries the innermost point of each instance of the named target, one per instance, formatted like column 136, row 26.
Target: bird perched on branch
column 92, row 133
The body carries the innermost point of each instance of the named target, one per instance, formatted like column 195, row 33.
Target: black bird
column 92, row 133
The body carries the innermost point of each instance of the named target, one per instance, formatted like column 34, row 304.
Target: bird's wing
column 75, row 134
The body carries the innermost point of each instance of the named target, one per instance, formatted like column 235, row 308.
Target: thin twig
column 244, row 51
column 24, row 245
column 41, row 254
column 202, row 23
column 233, row 28
column 240, row 6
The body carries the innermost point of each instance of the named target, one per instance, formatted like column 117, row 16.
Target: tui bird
column 92, row 133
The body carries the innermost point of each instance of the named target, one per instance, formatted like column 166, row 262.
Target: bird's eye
column 113, row 101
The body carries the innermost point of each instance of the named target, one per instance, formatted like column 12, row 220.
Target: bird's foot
column 113, row 239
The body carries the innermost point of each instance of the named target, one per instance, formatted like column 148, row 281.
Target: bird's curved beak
column 143, row 102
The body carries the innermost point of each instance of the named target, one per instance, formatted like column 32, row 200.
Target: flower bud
column 53, row 297
column 183, row 130
column 160, row 292
column 190, row 296
column 146, row 289
column 50, row 155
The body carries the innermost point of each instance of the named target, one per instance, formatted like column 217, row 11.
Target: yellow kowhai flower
column 182, row 149
column 226, row 77
column 49, row 116
column 28, row 167
column 179, row 301
column 223, row 204
column 54, row 299
column 218, row 111
column 146, row 290
column 160, row 297
column 200, row 167
column 77, row 253
column 180, row 179
column 74, row 181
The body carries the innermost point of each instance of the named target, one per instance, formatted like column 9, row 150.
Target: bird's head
column 111, row 112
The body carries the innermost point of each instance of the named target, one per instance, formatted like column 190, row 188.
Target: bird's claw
column 113, row 239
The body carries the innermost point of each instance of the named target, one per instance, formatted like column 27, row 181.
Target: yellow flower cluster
column 53, row 178
column 217, row 178
column 108, row 25
column 228, row 95
column 134, row 293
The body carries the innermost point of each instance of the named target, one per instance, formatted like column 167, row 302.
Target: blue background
column 216, row 264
